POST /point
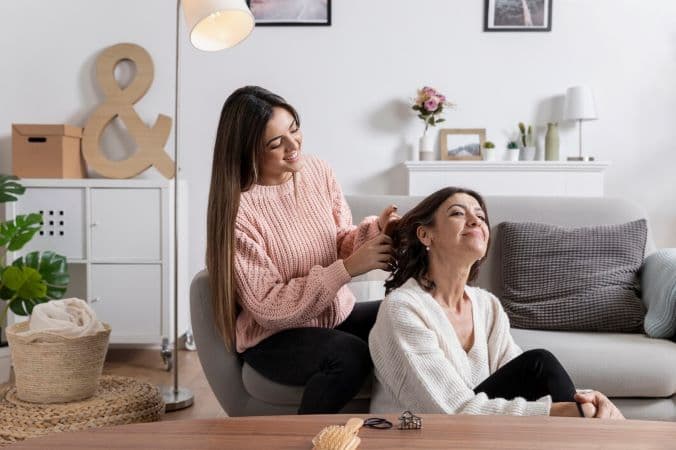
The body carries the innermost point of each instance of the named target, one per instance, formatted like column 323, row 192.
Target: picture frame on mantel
column 518, row 15
column 293, row 13
column 461, row 143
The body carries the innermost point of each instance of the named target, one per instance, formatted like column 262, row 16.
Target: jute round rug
column 117, row 401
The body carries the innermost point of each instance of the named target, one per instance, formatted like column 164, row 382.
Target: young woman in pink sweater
column 281, row 248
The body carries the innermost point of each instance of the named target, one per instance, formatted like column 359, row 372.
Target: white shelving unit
column 527, row 178
column 116, row 236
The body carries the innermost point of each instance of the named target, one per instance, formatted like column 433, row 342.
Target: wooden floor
column 146, row 365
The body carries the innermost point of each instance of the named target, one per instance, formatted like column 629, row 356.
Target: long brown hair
column 239, row 144
column 410, row 255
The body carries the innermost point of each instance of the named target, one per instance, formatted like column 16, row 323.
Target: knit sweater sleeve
column 274, row 303
column 410, row 362
column 348, row 237
column 501, row 345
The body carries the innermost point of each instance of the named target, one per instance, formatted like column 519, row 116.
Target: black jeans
column 531, row 375
column 332, row 364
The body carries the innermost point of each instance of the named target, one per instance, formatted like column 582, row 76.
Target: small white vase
column 489, row 154
column 512, row 154
column 427, row 156
column 425, row 147
column 527, row 154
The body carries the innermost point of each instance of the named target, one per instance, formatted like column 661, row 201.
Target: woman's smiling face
column 459, row 228
column 281, row 154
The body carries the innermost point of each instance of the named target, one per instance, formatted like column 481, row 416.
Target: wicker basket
column 50, row 368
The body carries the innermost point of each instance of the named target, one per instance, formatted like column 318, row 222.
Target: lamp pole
column 579, row 133
column 176, row 397
column 213, row 25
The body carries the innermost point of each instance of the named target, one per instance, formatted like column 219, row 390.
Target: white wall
column 352, row 83
column 49, row 49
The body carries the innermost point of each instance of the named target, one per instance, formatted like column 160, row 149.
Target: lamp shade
column 217, row 24
column 580, row 104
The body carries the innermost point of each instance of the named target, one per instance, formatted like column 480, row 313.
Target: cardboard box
column 47, row 151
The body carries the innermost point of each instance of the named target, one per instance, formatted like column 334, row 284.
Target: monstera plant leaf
column 16, row 233
column 9, row 188
column 33, row 279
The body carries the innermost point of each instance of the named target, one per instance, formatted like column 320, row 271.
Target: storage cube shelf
column 116, row 237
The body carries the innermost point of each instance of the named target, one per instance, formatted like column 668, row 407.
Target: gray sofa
column 637, row 372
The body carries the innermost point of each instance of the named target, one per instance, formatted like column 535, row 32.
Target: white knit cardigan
column 420, row 364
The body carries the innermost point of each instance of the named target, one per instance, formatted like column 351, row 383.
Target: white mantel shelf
column 527, row 178
column 507, row 166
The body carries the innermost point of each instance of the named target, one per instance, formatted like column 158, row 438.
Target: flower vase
column 425, row 146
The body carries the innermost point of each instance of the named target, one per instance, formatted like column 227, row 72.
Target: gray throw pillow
column 658, row 284
column 573, row 279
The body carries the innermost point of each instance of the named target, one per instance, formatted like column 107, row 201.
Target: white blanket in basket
column 68, row 317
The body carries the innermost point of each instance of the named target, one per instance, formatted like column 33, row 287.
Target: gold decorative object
column 119, row 102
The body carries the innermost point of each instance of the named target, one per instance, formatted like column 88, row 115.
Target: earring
column 427, row 248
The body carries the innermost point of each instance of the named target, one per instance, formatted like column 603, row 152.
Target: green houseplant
column 489, row 151
column 34, row 278
column 512, row 151
column 526, row 135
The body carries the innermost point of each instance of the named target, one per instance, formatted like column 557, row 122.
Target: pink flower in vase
column 432, row 104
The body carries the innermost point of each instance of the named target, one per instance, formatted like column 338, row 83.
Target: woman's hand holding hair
column 388, row 214
column 373, row 254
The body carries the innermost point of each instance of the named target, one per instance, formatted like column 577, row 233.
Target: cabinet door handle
column 94, row 224
column 95, row 299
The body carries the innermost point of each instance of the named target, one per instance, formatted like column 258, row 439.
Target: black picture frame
column 292, row 23
column 489, row 25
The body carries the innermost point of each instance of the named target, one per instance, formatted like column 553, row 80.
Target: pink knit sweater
column 290, row 245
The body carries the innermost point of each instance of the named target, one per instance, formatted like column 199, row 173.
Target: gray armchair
column 241, row 390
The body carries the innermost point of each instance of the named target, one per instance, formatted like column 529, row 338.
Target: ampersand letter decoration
column 120, row 103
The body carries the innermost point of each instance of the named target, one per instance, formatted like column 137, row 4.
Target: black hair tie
column 378, row 423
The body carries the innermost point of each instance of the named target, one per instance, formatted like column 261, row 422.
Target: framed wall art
column 291, row 12
column 461, row 143
column 518, row 15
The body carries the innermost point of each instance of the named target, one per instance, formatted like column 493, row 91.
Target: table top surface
column 439, row 431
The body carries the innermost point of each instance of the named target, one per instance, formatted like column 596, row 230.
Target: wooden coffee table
column 439, row 431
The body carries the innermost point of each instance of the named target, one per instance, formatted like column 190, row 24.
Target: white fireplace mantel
column 527, row 178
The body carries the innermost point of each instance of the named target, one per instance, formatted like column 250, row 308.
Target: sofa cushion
column 619, row 365
column 577, row 279
column 658, row 286
column 269, row 391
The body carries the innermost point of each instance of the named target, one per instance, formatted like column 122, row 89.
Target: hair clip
column 378, row 423
column 409, row 421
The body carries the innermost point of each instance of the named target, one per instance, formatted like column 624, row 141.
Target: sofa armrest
column 369, row 286
column 658, row 285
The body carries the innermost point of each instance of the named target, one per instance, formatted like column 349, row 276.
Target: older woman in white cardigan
column 441, row 346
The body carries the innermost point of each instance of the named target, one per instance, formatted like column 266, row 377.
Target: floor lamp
column 213, row 25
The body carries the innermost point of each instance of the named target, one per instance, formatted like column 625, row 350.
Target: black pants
column 531, row 375
column 332, row 364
